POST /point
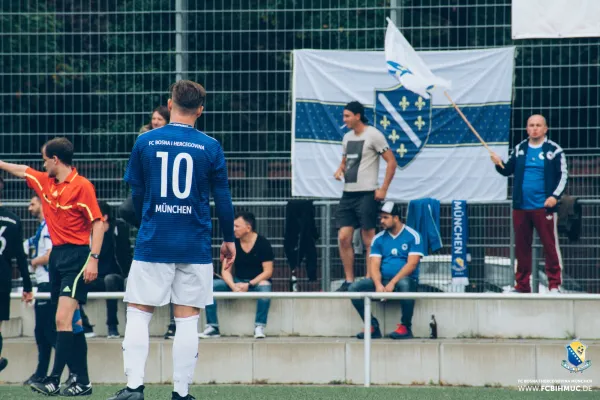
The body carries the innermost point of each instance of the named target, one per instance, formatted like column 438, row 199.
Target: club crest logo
column 458, row 264
column 404, row 118
column 576, row 361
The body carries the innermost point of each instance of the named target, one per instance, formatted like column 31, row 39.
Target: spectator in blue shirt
column 394, row 261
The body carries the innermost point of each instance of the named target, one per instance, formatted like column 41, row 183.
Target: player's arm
column 134, row 176
column 137, row 197
column 219, row 185
column 224, row 207
column 22, row 264
column 222, row 195
column 17, row 170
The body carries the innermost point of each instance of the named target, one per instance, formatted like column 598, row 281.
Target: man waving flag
column 404, row 64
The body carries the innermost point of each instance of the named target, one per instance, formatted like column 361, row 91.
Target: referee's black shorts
column 66, row 266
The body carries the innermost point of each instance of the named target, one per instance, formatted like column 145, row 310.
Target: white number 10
column 164, row 156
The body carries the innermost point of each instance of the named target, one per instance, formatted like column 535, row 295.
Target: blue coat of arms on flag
column 404, row 118
column 576, row 361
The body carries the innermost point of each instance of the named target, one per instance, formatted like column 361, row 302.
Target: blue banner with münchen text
column 460, row 238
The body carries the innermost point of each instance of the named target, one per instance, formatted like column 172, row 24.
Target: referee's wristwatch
column 96, row 256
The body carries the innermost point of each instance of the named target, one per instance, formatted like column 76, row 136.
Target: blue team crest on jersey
column 404, row 118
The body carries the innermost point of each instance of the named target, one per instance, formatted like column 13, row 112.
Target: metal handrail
column 368, row 297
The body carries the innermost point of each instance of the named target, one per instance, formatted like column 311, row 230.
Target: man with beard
column 395, row 256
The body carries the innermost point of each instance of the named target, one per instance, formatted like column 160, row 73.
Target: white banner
column 555, row 18
column 448, row 162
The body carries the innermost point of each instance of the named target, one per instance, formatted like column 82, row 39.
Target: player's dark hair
column 248, row 217
column 62, row 148
column 188, row 95
column 105, row 209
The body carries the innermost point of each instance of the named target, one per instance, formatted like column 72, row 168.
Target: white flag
column 404, row 64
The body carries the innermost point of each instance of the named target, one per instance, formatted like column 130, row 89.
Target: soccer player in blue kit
column 172, row 171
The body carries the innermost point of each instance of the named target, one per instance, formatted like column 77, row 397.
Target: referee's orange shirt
column 69, row 207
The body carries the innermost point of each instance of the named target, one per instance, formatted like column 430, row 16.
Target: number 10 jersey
column 172, row 172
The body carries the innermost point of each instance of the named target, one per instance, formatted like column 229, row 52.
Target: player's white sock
column 136, row 345
column 185, row 353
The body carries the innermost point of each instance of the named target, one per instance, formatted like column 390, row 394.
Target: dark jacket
column 127, row 212
column 555, row 170
column 569, row 217
column 116, row 255
column 301, row 235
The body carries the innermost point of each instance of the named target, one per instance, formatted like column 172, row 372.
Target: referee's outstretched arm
column 17, row 170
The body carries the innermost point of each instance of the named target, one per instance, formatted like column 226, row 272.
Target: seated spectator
column 160, row 117
column 395, row 255
column 113, row 268
column 252, row 271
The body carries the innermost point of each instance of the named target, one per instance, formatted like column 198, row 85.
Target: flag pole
column 469, row 125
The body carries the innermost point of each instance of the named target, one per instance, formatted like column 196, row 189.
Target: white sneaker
column 209, row 332
column 259, row 332
column 554, row 291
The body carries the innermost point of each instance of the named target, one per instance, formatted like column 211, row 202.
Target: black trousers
column 109, row 283
column 45, row 330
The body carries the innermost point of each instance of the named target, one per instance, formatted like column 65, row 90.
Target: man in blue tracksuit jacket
column 540, row 173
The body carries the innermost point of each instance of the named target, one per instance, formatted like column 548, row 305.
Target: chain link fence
column 94, row 71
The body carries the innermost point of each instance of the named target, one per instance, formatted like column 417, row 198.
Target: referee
column 72, row 214
column 11, row 247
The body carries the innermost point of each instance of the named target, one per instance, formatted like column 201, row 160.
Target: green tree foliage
column 94, row 70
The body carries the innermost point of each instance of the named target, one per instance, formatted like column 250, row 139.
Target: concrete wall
column 552, row 319
column 476, row 362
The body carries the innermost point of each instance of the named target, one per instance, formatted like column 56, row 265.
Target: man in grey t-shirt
column 362, row 148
